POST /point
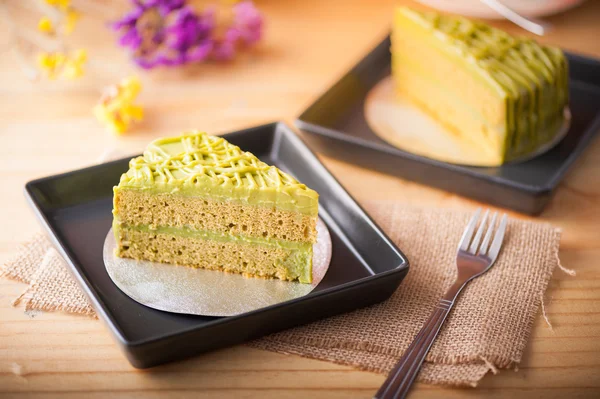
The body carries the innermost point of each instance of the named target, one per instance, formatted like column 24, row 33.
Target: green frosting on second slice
column 197, row 164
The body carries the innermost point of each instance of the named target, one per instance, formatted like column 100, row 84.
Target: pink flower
column 170, row 33
column 248, row 22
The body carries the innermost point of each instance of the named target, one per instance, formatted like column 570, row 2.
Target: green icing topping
column 533, row 78
column 197, row 164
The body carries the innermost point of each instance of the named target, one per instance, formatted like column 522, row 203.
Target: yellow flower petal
column 51, row 63
column 71, row 71
column 116, row 109
column 131, row 87
column 44, row 60
column 80, row 57
column 119, row 126
column 45, row 25
column 73, row 66
column 58, row 64
column 71, row 19
column 133, row 112
column 62, row 4
column 102, row 115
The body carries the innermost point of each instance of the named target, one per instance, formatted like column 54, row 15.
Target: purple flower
column 186, row 39
column 223, row 50
column 248, row 22
column 245, row 30
column 170, row 33
column 187, row 30
column 131, row 37
column 199, row 52
column 143, row 28
column 164, row 6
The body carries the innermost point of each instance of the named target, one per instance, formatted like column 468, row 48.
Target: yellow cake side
column 505, row 95
column 458, row 95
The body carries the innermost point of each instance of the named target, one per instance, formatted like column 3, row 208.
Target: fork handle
column 406, row 370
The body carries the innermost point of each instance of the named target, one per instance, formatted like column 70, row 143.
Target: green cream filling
column 214, row 236
column 298, row 262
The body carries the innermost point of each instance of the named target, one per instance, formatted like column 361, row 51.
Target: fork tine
column 468, row 233
column 479, row 233
column 488, row 235
column 498, row 237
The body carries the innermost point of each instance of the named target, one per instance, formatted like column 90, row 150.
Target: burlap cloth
column 487, row 330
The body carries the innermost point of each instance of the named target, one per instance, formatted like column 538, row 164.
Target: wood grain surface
column 48, row 127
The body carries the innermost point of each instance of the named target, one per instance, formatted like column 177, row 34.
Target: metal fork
column 472, row 261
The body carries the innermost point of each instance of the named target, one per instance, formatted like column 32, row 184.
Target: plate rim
column 538, row 190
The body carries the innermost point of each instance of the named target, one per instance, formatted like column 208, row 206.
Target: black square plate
column 366, row 267
column 337, row 127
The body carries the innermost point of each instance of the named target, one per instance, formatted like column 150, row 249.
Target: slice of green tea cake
column 199, row 201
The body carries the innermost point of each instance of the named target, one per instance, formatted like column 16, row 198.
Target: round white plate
column 528, row 8
column 405, row 126
column 181, row 289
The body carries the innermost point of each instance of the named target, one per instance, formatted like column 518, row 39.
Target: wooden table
column 48, row 128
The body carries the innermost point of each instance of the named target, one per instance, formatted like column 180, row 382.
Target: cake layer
column 459, row 117
column 215, row 236
column 415, row 48
column 249, row 258
column 445, row 101
column 199, row 165
column 136, row 207
column 514, row 89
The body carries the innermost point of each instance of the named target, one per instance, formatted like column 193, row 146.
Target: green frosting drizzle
column 532, row 78
column 197, row 164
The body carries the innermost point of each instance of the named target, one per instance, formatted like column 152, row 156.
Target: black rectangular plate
column 337, row 127
column 75, row 207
